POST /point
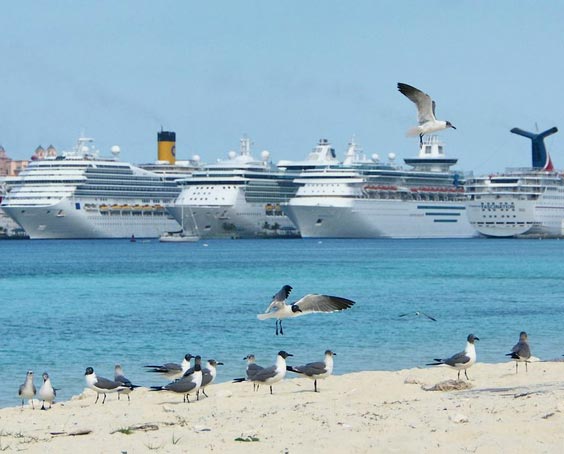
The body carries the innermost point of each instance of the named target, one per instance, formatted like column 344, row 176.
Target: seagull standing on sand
column 462, row 360
column 46, row 392
column 252, row 369
column 208, row 374
column 521, row 352
column 185, row 385
column 425, row 112
column 101, row 385
column 27, row 389
column 120, row 378
column 316, row 371
column 273, row 374
column 309, row 304
column 173, row 371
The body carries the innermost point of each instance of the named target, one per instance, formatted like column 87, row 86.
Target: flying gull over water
column 309, row 304
column 185, row 385
column 521, row 352
column 316, row 371
column 273, row 374
column 46, row 392
column 101, row 385
column 27, row 389
column 462, row 360
column 172, row 371
column 425, row 112
column 252, row 369
column 120, row 378
column 419, row 314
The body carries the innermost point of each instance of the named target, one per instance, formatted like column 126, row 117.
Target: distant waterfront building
column 10, row 167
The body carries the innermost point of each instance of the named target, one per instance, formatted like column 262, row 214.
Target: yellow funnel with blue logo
column 167, row 146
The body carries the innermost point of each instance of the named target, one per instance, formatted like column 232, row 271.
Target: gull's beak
column 453, row 127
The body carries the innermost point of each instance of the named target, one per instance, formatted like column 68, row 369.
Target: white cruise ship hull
column 496, row 216
column 246, row 220
column 337, row 217
column 63, row 220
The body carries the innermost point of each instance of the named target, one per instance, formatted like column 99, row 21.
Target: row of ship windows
column 495, row 216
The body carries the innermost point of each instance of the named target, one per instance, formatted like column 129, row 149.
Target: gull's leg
column 281, row 330
column 104, row 399
column 465, row 373
column 277, row 327
column 97, row 397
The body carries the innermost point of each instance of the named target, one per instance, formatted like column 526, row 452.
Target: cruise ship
column 525, row 202
column 242, row 197
column 363, row 198
column 82, row 195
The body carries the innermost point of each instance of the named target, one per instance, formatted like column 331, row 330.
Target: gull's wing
column 522, row 349
column 459, row 358
column 264, row 374
column 104, row 383
column 168, row 367
column 279, row 298
column 321, row 303
column 123, row 380
column 252, row 370
column 181, row 386
column 428, row 316
column 311, row 369
column 425, row 105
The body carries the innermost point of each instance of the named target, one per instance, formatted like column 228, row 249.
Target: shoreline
column 376, row 411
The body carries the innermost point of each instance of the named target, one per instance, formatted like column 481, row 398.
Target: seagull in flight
column 309, row 304
column 521, row 352
column 425, row 112
column 419, row 314
column 462, row 360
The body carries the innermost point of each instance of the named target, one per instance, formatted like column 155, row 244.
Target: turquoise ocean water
column 66, row 305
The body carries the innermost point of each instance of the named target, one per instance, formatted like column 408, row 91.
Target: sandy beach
column 358, row 412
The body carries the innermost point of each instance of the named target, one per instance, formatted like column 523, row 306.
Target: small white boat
column 178, row 237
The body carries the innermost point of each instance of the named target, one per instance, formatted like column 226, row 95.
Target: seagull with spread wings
column 309, row 304
column 428, row 123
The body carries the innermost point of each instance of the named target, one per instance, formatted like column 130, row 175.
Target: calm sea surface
column 66, row 305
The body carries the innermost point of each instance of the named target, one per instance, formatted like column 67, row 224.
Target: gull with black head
column 101, row 385
column 185, row 385
column 463, row 360
column 273, row 374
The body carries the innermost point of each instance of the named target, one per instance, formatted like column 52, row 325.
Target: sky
column 285, row 73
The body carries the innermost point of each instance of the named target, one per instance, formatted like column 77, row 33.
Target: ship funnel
column 167, row 146
column 541, row 158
